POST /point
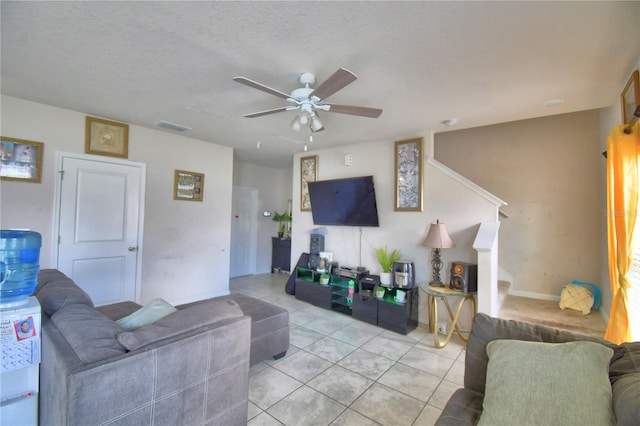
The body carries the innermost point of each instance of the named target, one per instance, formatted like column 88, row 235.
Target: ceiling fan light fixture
column 295, row 124
column 316, row 124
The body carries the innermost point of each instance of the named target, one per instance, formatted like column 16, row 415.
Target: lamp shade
column 295, row 124
column 438, row 237
column 316, row 124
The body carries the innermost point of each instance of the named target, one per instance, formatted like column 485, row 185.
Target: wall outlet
column 442, row 328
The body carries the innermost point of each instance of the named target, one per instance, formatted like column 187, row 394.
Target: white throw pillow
column 148, row 314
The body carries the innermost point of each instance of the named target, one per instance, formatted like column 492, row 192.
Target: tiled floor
column 341, row 371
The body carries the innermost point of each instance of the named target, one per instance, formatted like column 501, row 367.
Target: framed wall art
column 104, row 137
column 408, row 175
column 308, row 173
column 21, row 160
column 630, row 98
column 188, row 186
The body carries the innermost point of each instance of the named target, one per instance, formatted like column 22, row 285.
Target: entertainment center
column 349, row 292
column 350, row 202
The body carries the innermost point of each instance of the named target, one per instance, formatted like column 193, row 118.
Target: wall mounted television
column 344, row 202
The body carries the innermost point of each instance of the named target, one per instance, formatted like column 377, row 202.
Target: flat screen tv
column 344, row 202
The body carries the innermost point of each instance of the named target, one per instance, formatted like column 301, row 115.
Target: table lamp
column 437, row 238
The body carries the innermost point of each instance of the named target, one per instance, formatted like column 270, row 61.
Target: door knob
column 133, row 248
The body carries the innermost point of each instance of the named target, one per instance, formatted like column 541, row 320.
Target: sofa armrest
column 198, row 377
column 463, row 409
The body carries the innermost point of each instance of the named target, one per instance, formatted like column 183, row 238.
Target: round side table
column 443, row 293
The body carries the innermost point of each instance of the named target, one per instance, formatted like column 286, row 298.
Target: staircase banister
column 466, row 182
column 487, row 236
column 486, row 244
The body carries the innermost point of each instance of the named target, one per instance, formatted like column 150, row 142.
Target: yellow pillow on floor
column 576, row 297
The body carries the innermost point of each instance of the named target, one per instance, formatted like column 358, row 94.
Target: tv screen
column 344, row 202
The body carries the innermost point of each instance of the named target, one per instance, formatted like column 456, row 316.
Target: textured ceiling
column 421, row 62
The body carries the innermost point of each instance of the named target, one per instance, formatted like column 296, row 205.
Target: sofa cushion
column 624, row 373
column 90, row 335
column 485, row 329
column 626, row 400
column 180, row 322
column 118, row 310
column 269, row 325
column 547, row 384
column 148, row 314
column 265, row 317
column 55, row 291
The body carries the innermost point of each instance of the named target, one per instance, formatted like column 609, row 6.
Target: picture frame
column 21, row 160
column 308, row 173
column 188, row 186
column 408, row 175
column 630, row 98
column 106, row 137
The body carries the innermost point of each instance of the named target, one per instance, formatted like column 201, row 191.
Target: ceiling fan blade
column 355, row 110
column 337, row 81
column 266, row 112
column 260, row 86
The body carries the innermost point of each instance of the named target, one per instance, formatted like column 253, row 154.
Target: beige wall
column 549, row 171
column 354, row 246
column 179, row 237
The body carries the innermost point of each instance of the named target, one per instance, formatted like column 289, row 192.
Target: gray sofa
column 190, row 367
column 466, row 405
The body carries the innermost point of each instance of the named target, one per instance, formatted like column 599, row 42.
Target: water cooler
column 20, row 321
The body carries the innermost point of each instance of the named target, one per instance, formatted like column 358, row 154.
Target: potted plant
column 386, row 259
column 282, row 219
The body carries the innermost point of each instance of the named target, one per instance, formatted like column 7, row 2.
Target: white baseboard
column 532, row 295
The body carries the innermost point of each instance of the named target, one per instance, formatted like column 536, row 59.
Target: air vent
column 172, row 126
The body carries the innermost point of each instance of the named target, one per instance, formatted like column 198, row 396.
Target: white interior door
column 244, row 231
column 99, row 218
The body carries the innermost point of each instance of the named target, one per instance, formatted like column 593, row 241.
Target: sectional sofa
column 189, row 367
column 518, row 373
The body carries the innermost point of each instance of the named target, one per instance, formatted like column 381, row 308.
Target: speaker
column 317, row 244
column 314, row 260
column 464, row 277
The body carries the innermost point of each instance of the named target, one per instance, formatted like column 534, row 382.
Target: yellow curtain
column 622, row 209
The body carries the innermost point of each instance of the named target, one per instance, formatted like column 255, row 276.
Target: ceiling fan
column 309, row 101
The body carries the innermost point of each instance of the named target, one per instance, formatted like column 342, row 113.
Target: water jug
column 19, row 264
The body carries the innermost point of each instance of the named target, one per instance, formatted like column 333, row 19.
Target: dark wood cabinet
column 399, row 317
column 280, row 254
column 384, row 312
